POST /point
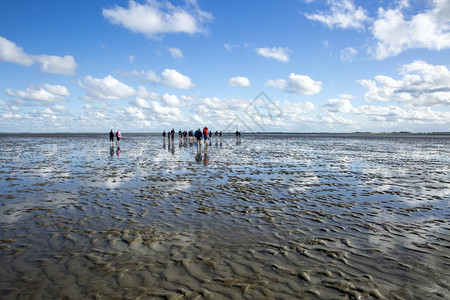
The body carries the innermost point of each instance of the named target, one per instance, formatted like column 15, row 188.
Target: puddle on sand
column 310, row 217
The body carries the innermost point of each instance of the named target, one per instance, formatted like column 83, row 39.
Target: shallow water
column 280, row 216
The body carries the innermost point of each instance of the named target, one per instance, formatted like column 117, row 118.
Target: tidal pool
column 267, row 217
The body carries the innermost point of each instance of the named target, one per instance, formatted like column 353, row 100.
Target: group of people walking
column 198, row 135
column 118, row 135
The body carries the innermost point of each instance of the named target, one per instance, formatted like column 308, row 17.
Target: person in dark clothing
column 111, row 138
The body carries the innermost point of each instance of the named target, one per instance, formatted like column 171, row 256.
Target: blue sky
column 146, row 66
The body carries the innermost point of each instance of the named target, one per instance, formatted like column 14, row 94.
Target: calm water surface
column 281, row 216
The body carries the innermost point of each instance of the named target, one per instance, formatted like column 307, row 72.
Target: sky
column 253, row 65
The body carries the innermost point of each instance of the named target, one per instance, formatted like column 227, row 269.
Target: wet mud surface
column 278, row 217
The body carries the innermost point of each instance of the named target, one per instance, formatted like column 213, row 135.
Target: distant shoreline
column 232, row 133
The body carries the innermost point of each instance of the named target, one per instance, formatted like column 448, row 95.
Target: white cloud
column 278, row 53
column 131, row 59
column 10, row 115
column 170, row 100
column 2, row 103
column 49, row 63
column 164, row 112
column 105, row 88
column 396, row 33
column 239, row 81
column 135, row 112
column 142, row 92
column 343, row 14
column 346, row 96
column 175, row 79
column 154, row 18
column 297, row 84
column 141, row 103
column 60, row 108
column 57, row 89
column 349, row 54
column 45, row 93
column 58, row 65
column 12, row 53
column 175, row 52
column 395, row 115
column 293, row 110
column 152, row 77
column 422, row 85
column 339, row 105
column 171, row 78
column 198, row 119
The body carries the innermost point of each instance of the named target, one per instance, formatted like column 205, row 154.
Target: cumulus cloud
column 154, row 18
column 297, row 84
column 171, row 78
column 170, row 100
column 175, row 52
column 49, row 63
column 141, row 103
column 395, row 32
column 239, row 81
column 58, row 65
column 292, row 111
column 135, row 112
column 12, row 53
column 422, row 85
column 396, row 115
column 339, row 105
column 165, row 113
column 343, row 14
column 45, row 93
column 382, row 116
column 142, row 92
column 277, row 53
column 105, row 88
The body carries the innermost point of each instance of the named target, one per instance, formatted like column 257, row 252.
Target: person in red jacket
column 205, row 133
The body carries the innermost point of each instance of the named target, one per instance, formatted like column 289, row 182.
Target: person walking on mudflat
column 111, row 138
column 118, row 136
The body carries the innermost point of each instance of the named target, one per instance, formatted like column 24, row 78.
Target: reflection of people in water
column 206, row 157
column 198, row 156
column 172, row 149
column 111, row 151
column 118, row 151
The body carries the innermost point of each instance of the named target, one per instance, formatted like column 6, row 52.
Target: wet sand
column 270, row 217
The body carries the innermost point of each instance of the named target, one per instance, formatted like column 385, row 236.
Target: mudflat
column 273, row 216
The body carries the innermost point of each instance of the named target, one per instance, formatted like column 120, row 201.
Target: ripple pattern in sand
column 281, row 217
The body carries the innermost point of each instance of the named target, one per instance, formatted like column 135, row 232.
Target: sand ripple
column 287, row 217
